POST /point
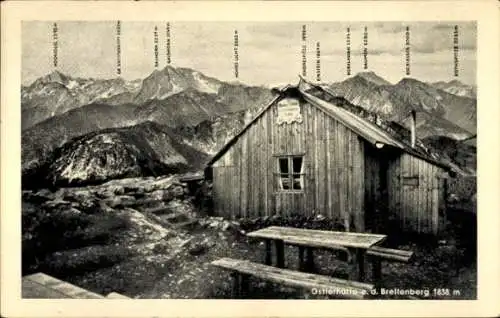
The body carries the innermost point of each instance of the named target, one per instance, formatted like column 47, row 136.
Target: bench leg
column 235, row 286
column 377, row 271
column 302, row 265
column 360, row 257
column 352, row 263
column 280, row 253
column 244, row 285
column 268, row 260
column 309, row 260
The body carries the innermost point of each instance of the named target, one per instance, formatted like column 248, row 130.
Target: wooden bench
column 378, row 254
column 43, row 286
column 242, row 269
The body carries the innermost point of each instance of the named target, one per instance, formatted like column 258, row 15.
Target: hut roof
column 369, row 126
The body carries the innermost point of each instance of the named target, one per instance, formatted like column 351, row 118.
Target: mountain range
column 66, row 119
column 56, row 93
column 438, row 112
column 185, row 94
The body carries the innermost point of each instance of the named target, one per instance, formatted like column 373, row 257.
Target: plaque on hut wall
column 289, row 111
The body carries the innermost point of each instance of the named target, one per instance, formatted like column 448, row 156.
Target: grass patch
column 46, row 231
column 69, row 263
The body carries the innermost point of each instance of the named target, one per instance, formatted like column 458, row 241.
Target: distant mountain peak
column 405, row 81
column 456, row 82
column 372, row 77
column 54, row 77
column 456, row 87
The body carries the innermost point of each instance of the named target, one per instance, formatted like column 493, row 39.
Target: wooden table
column 354, row 243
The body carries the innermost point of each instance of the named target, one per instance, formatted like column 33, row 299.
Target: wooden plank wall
column 416, row 207
column 372, row 188
column 334, row 167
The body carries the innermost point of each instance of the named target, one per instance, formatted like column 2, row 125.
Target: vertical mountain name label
column 455, row 51
column 365, row 48
column 55, row 44
column 118, row 48
column 236, row 57
column 155, row 42
column 168, row 45
column 348, row 51
column 407, row 51
column 318, row 61
column 304, row 50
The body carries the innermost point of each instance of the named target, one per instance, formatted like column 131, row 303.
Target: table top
column 41, row 285
column 319, row 238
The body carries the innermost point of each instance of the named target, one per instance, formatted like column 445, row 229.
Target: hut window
column 290, row 174
column 410, row 181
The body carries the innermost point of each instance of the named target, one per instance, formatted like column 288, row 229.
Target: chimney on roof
column 413, row 128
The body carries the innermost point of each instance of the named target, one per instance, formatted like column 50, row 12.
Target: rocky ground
column 152, row 238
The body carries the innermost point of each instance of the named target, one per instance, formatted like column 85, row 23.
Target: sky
column 269, row 53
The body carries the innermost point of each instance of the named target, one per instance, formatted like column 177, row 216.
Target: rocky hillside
column 429, row 125
column 142, row 150
column 39, row 141
column 188, row 107
column 461, row 152
column 211, row 135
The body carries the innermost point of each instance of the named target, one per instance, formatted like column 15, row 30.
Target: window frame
column 291, row 174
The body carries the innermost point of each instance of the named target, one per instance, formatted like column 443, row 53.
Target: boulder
column 104, row 208
column 118, row 190
column 161, row 248
column 186, row 242
column 105, row 193
column 56, row 204
column 38, row 197
column 161, row 195
column 45, row 193
column 120, row 201
column 79, row 196
column 199, row 248
column 89, row 206
column 71, row 212
column 149, row 187
column 176, row 191
column 225, row 226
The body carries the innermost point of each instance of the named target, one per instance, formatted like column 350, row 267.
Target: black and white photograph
column 248, row 159
column 161, row 156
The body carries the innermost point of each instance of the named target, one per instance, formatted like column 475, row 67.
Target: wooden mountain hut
column 309, row 152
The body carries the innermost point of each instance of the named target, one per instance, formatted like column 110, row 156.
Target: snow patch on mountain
column 175, row 89
column 386, row 108
column 72, row 84
column 204, row 85
column 107, row 139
